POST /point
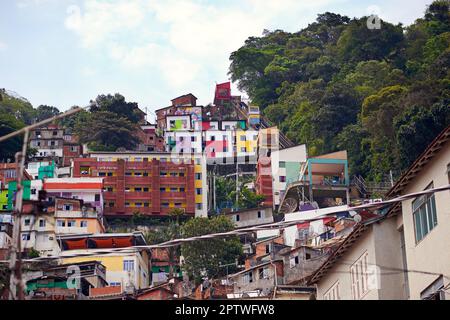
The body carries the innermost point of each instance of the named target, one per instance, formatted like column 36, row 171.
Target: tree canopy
column 206, row 258
column 337, row 84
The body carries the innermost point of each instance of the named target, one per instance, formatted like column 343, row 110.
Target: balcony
column 167, row 180
column 138, row 165
column 109, row 195
column 127, row 211
column 75, row 214
column 107, row 165
column 173, row 195
column 70, row 230
column 138, row 195
column 138, row 180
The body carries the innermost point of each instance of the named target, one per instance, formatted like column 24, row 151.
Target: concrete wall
column 294, row 155
column 250, row 217
column 382, row 244
column 432, row 253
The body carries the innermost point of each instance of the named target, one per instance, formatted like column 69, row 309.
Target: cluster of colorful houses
column 70, row 194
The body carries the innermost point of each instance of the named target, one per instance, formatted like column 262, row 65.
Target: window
column 114, row 284
column 97, row 197
column 26, row 236
column 138, row 204
column 243, row 138
column 198, row 176
column 138, row 189
column 182, row 189
column 332, row 293
column 199, row 206
column 424, row 214
column 282, row 164
column 110, row 174
column 282, row 178
column 435, row 291
column 74, row 149
column 213, row 138
column 293, row 261
column 359, row 277
column 111, row 204
column 248, row 277
column 26, row 222
column 55, row 133
column 264, row 273
column 41, row 223
column 193, row 139
column 128, row 265
column 181, row 174
column 83, row 224
column 146, row 204
column 71, row 223
column 259, row 214
column 33, row 191
column 268, row 248
column 145, row 189
column 237, row 217
column 127, row 204
column 60, row 223
column 243, row 149
column 68, row 207
column 162, row 189
column 178, row 204
column 165, row 204
column 198, row 191
column 102, row 174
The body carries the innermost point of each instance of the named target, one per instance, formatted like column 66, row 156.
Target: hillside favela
column 315, row 166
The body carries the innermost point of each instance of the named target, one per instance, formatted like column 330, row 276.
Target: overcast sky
column 66, row 52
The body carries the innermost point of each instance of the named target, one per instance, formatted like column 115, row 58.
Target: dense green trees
column 110, row 124
column 339, row 85
column 206, row 257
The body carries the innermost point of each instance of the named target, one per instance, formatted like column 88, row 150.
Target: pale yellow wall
column 432, row 253
column 382, row 243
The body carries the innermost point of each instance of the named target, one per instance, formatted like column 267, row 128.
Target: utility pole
column 16, row 286
column 237, row 183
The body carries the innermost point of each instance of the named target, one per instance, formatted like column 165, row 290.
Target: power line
column 308, row 217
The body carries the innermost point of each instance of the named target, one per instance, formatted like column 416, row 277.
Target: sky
column 66, row 52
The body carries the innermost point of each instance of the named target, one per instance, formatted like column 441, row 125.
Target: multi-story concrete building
column 73, row 216
column 49, row 142
column 286, row 164
column 367, row 265
column 128, row 270
column 6, row 229
column 54, row 143
column 150, row 140
column 251, row 217
column 148, row 183
column 38, row 229
column 88, row 189
column 423, row 222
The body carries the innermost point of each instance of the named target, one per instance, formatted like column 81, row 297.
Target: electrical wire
column 314, row 216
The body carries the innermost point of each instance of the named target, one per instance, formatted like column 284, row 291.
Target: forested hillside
column 382, row 94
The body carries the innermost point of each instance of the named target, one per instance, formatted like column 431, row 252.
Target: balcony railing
column 138, row 195
column 143, row 180
column 172, row 180
column 173, row 195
